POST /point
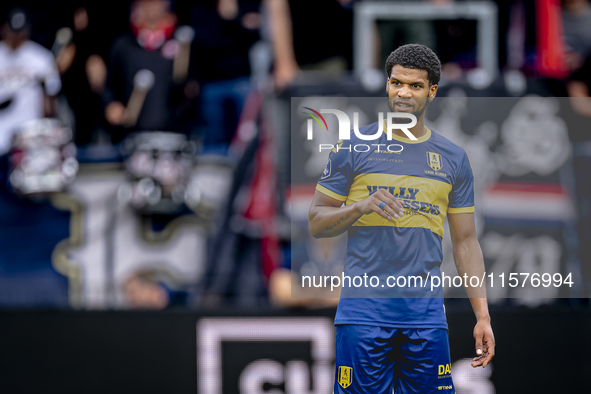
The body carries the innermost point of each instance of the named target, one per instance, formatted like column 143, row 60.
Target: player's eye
column 395, row 83
column 416, row 86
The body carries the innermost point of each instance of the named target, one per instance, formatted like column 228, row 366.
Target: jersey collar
column 422, row 138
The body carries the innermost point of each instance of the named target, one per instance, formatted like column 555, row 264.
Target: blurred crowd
column 98, row 56
column 111, row 69
column 201, row 56
column 91, row 55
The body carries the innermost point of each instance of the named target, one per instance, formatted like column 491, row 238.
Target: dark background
column 122, row 352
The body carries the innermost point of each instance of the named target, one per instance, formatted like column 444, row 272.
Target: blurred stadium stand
column 188, row 198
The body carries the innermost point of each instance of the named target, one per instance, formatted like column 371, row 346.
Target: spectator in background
column 149, row 46
column 155, row 289
column 281, row 31
column 290, row 33
column 579, row 90
column 225, row 30
column 29, row 79
column 579, row 87
column 142, row 293
column 84, row 74
column 395, row 33
column 318, row 45
column 441, row 36
column 576, row 17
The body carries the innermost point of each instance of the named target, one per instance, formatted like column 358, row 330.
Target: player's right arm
column 328, row 219
column 327, row 216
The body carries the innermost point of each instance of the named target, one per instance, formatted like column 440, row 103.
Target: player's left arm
column 469, row 261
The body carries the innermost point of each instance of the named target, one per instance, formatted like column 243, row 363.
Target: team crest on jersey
column 345, row 376
column 326, row 172
column 434, row 161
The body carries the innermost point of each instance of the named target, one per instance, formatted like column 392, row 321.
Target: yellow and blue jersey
column 432, row 177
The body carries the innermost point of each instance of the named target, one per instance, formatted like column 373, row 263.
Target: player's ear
column 432, row 92
column 387, row 83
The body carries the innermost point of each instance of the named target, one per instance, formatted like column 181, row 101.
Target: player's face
column 409, row 90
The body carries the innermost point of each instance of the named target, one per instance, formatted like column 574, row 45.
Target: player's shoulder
column 455, row 151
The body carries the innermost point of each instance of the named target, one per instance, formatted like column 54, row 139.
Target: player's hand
column 392, row 208
column 485, row 344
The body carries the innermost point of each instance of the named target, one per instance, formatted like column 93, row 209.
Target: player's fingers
column 487, row 360
column 391, row 212
column 481, row 357
column 479, row 348
column 376, row 208
column 396, row 206
column 383, row 205
column 392, row 201
column 477, row 361
column 484, row 359
column 489, row 339
column 490, row 353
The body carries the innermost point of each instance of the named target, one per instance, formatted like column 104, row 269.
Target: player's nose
column 404, row 92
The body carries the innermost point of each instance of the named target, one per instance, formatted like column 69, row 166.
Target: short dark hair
column 418, row 57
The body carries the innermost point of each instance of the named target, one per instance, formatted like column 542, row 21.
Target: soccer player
column 395, row 204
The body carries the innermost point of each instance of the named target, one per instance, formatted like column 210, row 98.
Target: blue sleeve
column 338, row 175
column 461, row 197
